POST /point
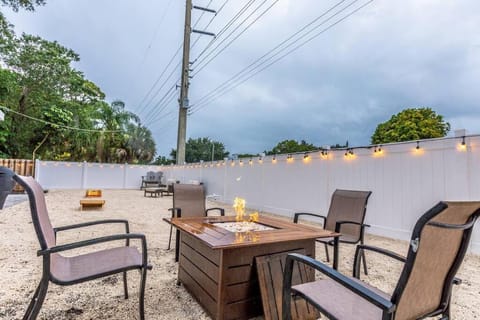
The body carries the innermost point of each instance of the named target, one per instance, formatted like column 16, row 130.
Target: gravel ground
column 103, row 298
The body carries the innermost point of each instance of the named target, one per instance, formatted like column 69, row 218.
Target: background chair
column 152, row 178
column 346, row 216
column 188, row 201
column 63, row 270
column 438, row 245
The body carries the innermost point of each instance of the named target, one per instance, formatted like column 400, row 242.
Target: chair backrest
column 151, row 176
column 438, row 245
column 349, row 205
column 190, row 199
column 38, row 209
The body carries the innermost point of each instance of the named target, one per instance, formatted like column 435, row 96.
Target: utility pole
column 183, row 101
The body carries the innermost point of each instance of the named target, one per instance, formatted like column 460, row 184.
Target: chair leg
column 326, row 252
column 170, row 238
column 364, row 259
column 37, row 301
column 141, row 303
column 125, row 285
column 364, row 263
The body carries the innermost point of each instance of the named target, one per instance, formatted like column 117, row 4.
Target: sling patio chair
column 188, row 201
column 346, row 215
column 438, row 245
column 68, row 270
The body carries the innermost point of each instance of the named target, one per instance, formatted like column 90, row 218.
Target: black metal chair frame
column 41, row 291
column 388, row 306
column 338, row 229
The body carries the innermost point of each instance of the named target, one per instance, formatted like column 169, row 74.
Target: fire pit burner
column 243, row 226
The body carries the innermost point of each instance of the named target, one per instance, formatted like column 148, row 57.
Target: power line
column 142, row 103
column 225, row 28
column 235, row 38
column 157, row 81
column 227, row 89
column 209, row 23
column 153, row 112
column 155, row 32
column 161, row 108
column 58, row 125
column 255, row 64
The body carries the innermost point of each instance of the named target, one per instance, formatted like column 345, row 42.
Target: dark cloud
column 338, row 87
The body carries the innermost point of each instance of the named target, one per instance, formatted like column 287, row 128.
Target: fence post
column 125, row 172
column 84, row 175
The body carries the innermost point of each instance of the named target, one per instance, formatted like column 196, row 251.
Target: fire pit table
column 217, row 262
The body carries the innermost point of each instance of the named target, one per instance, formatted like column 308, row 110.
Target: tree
column 162, row 160
column 25, row 4
column 46, row 98
column 201, row 149
column 411, row 124
column 291, row 146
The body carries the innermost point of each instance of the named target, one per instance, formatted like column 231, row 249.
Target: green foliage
column 201, row 149
column 162, row 160
column 291, row 146
column 28, row 5
column 247, row 155
column 37, row 80
column 411, row 124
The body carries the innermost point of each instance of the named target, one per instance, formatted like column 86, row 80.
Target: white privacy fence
column 405, row 181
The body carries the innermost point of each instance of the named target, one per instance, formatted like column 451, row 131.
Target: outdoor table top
column 216, row 237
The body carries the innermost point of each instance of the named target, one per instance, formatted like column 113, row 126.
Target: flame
column 254, row 217
column 239, row 206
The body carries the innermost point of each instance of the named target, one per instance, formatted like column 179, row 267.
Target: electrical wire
column 142, row 103
column 246, row 69
column 161, row 108
column 58, row 125
column 155, row 33
column 225, row 28
column 201, row 67
column 214, row 96
column 209, row 23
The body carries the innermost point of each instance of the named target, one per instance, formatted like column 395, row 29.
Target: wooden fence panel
column 21, row 166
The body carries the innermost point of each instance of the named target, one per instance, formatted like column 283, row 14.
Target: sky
column 361, row 62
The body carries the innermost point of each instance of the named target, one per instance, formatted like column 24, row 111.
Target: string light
column 463, row 145
column 378, row 150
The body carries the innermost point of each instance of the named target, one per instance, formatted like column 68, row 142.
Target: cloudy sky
column 322, row 71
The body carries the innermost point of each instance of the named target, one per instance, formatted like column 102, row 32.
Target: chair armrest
column 367, row 294
column 338, row 224
column 92, row 223
column 363, row 247
column 221, row 210
column 89, row 242
column 298, row 214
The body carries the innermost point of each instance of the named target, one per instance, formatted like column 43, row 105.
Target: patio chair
column 346, row 215
column 151, row 178
column 437, row 248
column 188, row 201
column 68, row 270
